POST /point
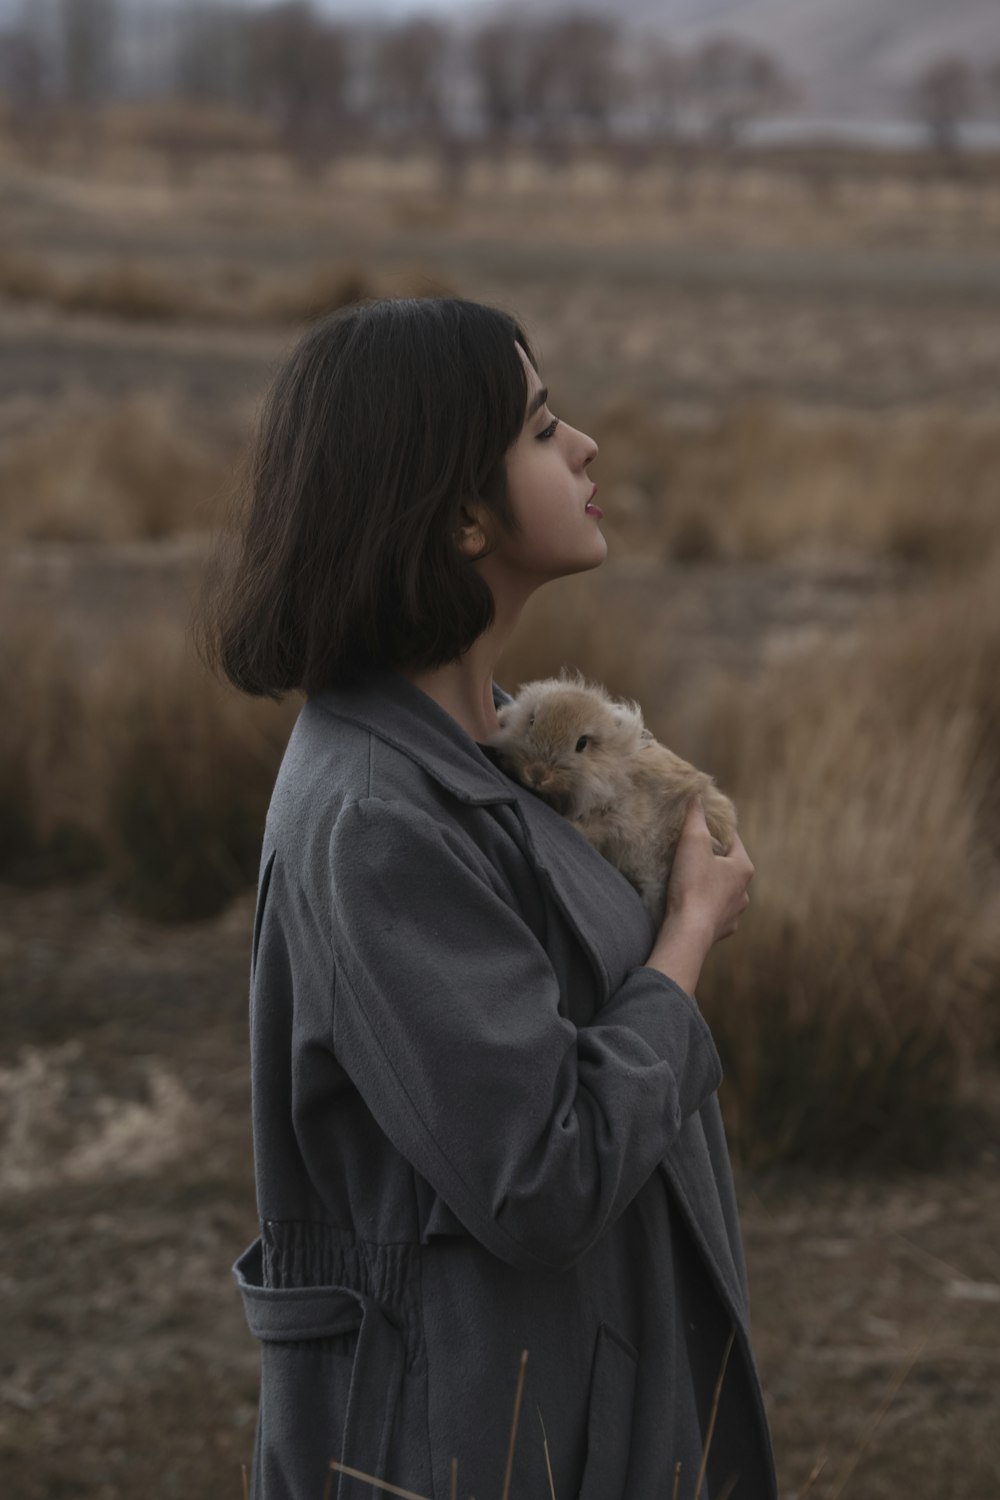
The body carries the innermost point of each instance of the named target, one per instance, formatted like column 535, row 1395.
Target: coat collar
column 394, row 708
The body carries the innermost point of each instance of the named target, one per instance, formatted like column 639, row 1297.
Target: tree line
column 320, row 85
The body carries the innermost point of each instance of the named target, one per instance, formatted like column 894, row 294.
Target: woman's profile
column 484, row 1096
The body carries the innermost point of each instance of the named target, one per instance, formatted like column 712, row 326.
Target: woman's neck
column 470, row 705
column 464, row 688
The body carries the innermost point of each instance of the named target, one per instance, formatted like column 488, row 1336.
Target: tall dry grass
column 852, row 1007
column 47, row 828
column 140, row 766
column 104, row 471
column 764, row 479
column 132, row 290
column 185, row 775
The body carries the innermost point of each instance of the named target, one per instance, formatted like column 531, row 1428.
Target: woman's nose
column 590, row 451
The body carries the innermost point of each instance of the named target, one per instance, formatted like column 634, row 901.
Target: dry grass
column 764, row 479
column 46, row 776
column 868, row 970
column 144, row 765
column 113, row 472
column 136, row 291
column 186, row 771
column 122, row 289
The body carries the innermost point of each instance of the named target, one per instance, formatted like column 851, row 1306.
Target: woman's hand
column 706, row 896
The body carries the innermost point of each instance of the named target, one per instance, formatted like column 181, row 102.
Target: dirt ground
column 127, row 1189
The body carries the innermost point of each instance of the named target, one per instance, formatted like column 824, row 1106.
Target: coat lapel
column 603, row 908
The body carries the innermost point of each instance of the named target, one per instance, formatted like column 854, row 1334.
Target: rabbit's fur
column 594, row 761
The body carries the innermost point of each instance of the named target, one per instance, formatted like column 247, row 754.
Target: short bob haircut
column 384, row 419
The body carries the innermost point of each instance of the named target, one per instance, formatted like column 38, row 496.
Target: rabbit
column 593, row 760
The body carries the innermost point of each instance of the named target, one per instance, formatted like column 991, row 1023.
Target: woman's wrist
column 680, row 951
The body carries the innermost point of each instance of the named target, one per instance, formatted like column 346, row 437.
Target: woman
column 484, row 1097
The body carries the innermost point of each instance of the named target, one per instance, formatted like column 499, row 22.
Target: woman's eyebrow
column 537, row 400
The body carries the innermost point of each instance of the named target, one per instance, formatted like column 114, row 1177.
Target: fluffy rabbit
column 592, row 759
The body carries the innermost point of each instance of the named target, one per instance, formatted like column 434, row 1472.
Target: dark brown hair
column 386, row 416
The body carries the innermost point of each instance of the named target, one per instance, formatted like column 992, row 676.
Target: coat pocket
column 332, row 1362
column 609, row 1417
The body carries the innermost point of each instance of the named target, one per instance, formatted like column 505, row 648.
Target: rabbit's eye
column 581, row 742
column 531, row 719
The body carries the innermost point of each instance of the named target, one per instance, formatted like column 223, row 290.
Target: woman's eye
column 581, row 742
column 547, row 433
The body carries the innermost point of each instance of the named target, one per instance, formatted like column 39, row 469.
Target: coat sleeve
column 535, row 1132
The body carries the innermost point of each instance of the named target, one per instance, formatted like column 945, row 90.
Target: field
column 794, row 378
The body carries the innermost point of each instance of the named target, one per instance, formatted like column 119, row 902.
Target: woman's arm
column 535, row 1132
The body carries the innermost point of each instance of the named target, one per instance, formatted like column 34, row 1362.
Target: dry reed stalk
column 381, row 1484
column 453, row 1489
column 243, row 1472
column 716, row 1395
column 813, row 1476
column 890, row 1395
column 675, row 1492
column 505, row 1492
column 545, row 1447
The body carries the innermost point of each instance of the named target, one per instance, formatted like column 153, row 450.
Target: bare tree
column 408, row 70
column 88, row 33
column 732, row 82
column 660, row 88
column 651, row 81
column 25, row 84
column 572, row 81
column 590, row 73
column 497, row 60
column 943, row 96
column 209, row 45
column 991, row 82
column 297, row 70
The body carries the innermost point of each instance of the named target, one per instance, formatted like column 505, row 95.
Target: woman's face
column 549, row 487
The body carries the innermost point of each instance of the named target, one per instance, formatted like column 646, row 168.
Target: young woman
column 484, row 1097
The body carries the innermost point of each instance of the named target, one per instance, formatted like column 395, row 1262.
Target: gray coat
column 480, row 1125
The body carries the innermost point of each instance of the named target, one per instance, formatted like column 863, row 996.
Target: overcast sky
column 390, row 7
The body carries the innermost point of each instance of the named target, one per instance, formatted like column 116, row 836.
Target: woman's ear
column 470, row 534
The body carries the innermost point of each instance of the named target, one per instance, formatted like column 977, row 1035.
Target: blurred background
column 756, row 248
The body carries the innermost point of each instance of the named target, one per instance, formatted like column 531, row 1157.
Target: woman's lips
column 591, row 508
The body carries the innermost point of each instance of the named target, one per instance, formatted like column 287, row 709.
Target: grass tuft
column 188, row 773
